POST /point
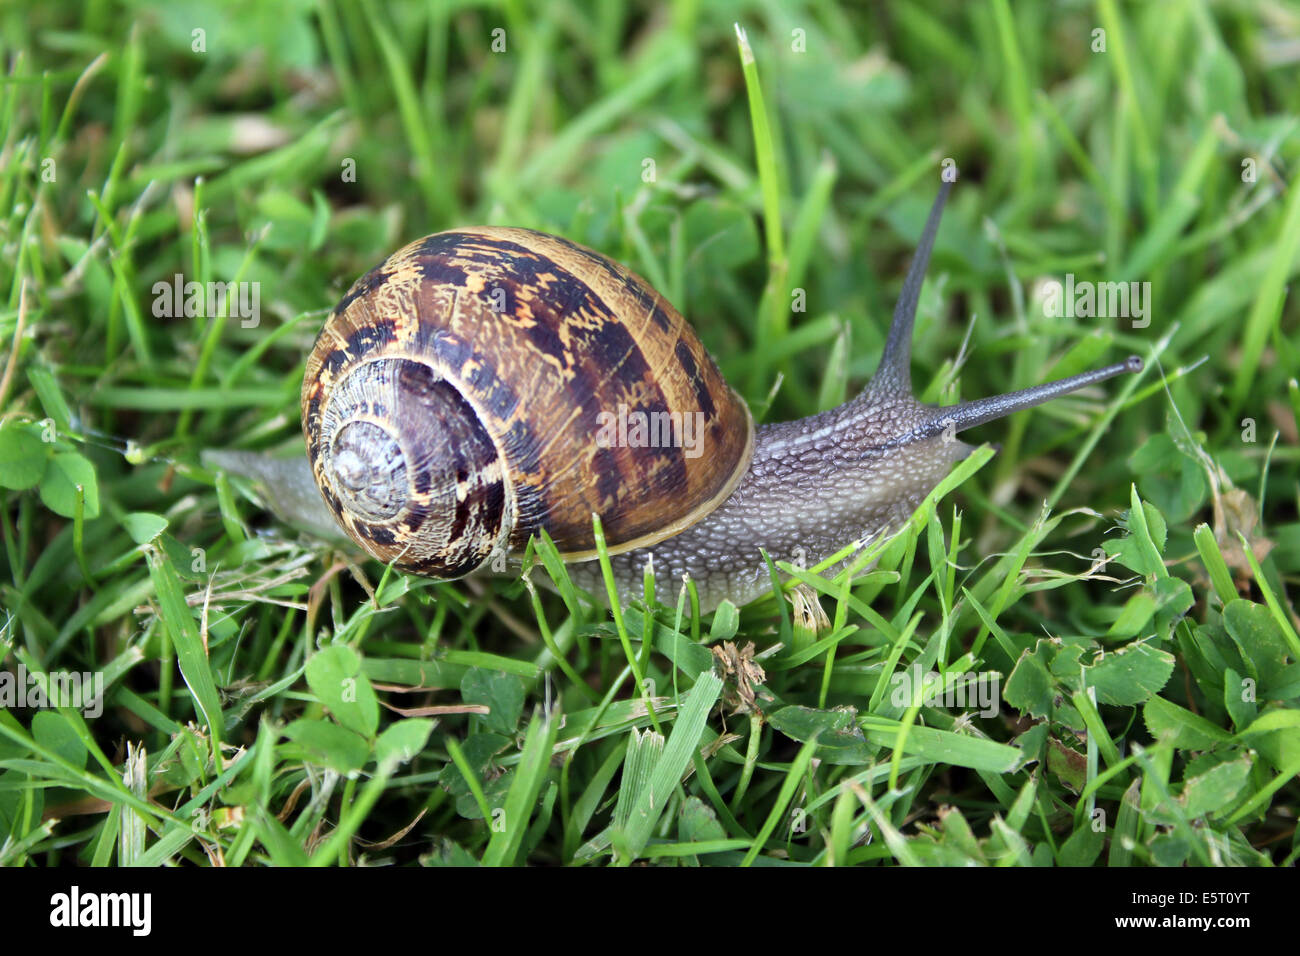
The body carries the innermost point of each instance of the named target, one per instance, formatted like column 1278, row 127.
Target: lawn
column 1081, row 650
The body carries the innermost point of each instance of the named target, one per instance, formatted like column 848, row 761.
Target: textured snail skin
column 812, row 487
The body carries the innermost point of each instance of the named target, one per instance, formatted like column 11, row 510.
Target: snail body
column 458, row 401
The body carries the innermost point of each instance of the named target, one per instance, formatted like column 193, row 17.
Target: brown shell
column 547, row 342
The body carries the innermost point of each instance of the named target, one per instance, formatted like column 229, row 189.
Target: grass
column 1118, row 575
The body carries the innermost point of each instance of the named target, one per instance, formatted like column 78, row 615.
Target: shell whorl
column 404, row 460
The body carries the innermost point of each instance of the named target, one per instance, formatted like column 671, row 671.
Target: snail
column 485, row 383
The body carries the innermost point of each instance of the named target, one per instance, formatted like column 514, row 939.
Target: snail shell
column 453, row 402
